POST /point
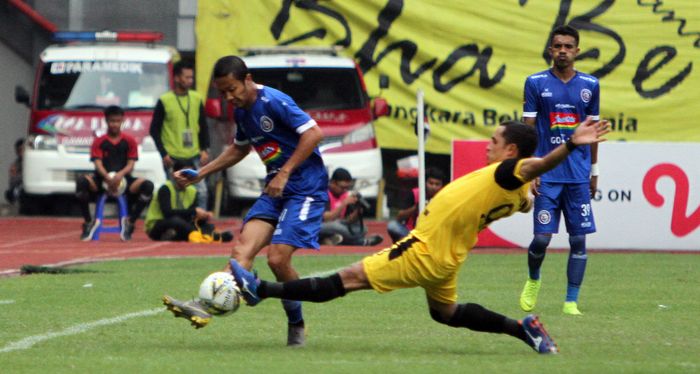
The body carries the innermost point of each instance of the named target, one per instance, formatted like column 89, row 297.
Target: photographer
column 342, row 220
column 407, row 216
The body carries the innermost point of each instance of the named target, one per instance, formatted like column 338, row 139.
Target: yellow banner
column 472, row 57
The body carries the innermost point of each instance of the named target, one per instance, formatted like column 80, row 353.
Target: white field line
column 93, row 258
column 80, row 328
column 30, row 341
column 324, row 273
column 40, row 239
column 5, row 302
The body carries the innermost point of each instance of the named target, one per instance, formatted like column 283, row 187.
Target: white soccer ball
column 219, row 293
column 122, row 184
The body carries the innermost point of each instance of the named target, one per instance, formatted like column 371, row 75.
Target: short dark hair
column 341, row 174
column 435, row 173
column 19, row 142
column 230, row 65
column 113, row 110
column 181, row 65
column 523, row 136
column 564, row 30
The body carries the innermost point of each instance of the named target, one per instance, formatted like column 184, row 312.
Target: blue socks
column 293, row 310
column 535, row 254
column 576, row 267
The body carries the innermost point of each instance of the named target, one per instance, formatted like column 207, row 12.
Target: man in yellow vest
column 173, row 216
column 179, row 127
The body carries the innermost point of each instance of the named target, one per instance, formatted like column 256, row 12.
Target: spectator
column 173, row 216
column 342, row 220
column 179, row 127
column 114, row 155
column 15, row 186
column 406, row 218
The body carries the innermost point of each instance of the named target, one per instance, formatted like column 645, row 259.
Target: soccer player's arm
column 509, row 177
column 229, row 157
column 594, row 113
column 530, row 103
column 588, row 132
column 310, row 135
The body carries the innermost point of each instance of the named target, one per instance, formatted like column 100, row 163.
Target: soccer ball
column 219, row 293
column 122, row 185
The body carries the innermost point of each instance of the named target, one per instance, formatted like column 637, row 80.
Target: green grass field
column 640, row 316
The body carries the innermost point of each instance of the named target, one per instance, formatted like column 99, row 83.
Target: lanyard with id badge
column 187, row 140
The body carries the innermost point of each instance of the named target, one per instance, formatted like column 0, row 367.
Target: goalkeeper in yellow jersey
column 432, row 254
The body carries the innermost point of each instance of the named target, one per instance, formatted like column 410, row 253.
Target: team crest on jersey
column 544, row 217
column 586, row 95
column 266, row 124
column 269, row 152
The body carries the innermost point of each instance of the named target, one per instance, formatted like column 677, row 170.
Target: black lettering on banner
column 670, row 16
column 365, row 54
column 408, row 51
column 435, row 115
column 481, row 64
column 644, row 72
column 622, row 123
column 387, row 16
column 282, row 18
column 583, row 22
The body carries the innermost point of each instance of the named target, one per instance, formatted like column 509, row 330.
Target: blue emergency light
column 107, row 36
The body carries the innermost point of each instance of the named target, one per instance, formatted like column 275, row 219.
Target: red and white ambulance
column 75, row 80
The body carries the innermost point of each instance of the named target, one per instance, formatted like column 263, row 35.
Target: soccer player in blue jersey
column 288, row 214
column 556, row 101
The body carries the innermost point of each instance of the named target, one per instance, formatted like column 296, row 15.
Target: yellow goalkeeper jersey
column 449, row 225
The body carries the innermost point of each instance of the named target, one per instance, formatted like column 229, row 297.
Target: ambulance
column 76, row 78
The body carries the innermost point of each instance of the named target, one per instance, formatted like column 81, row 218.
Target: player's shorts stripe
column 400, row 247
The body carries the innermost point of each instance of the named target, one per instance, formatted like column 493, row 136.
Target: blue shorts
column 574, row 199
column 298, row 218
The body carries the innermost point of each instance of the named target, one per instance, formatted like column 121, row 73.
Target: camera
column 361, row 202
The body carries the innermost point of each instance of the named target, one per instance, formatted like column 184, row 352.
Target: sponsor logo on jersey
column 269, row 152
column 546, row 93
column 544, row 217
column 560, row 120
column 564, row 106
column 266, row 124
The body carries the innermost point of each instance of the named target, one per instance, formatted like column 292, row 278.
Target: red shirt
column 114, row 153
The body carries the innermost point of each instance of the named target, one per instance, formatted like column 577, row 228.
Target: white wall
column 13, row 117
